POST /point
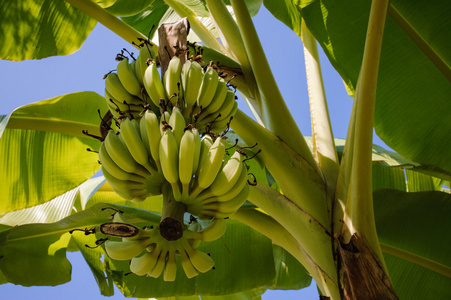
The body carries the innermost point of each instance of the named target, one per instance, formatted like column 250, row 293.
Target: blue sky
column 31, row 81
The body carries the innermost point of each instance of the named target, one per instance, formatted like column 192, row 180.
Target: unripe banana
column 177, row 123
column 169, row 159
column 143, row 264
column 114, row 169
column 224, row 110
column 209, row 167
column 125, row 250
column 192, row 75
column 159, row 266
column 153, row 134
column 153, row 85
column 197, row 149
column 220, row 124
column 127, row 78
column 200, row 260
column 192, row 232
column 114, row 86
column 227, row 208
column 208, row 87
column 187, row 266
column 227, row 177
column 132, row 137
column 121, row 156
column 164, row 119
column 186, row 160
column 172, row 79
column 212, row 232
column 135, row 195
column 118, row 184
column 218, row 99
column 145, row 138
column 170, row 270
column 204, row 198
column 145, row 53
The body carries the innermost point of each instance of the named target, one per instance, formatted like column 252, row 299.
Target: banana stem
column 298, row 180
column 171, row 208
column 276, row 115
column 324, row 149
column 307, row 231
column 110, row 21
column 359, row 214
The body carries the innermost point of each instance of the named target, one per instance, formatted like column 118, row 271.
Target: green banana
column 209, row 167
column 143, row 264
column 172, row 79
column 177, row 123
column 128, row 79
column 227, row 177
column 208, row 87
column 192, row 75
column 153, row 85
column 169, row 159
column 115, row 88
column 145, row 53
column 197, row 149
column 125, row 250
column 226, row 208
column 222, row 113
column 159, row 266
column 232, row 193
column 186, row 160
column 212, row 232
column 170, row 270
column 220, row 124
column 121, row 156
column 218, row 99
column 122, row 184
column 153, row 135
column 131, row 135
column 187, row 266
column 201, row 261
column 114, row 169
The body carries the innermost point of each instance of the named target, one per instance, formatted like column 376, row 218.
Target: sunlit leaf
column 41, row 28
column 44, row 152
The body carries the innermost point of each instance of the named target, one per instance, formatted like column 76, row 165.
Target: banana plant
column 363, row 222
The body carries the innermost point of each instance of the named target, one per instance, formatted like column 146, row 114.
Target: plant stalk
column 359, row 214
column 276, row 115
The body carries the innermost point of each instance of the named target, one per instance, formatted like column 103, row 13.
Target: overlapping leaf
column 44, row 152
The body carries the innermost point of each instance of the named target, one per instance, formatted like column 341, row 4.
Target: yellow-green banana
column 212, row 232
column 227, row 177
column 207, row 88
column 131, row 135
column 153, row 85
column 159, row 266
column 114, row 169
column 200, row 260
column 170, row 270
column 125, row 250
column 114, row 86
column 145, row 53
column 177, row 123
column 169, row 159
column 186, row 160
column 143, row 264
column 209, row 167
column 153, row 135
column 128, row 79
column 122, row 184
column 187, row 266
column 121, row 155
column 192, row 75
column 218, row 99
column 172, row 79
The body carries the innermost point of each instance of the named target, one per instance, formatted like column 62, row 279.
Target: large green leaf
column 44, row 152
column 36, row 29
column 415, row 227
column 412, row 106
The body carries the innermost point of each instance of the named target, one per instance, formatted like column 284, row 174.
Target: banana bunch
column 124, row 90
column 130, row 159
column 152, row 255
column 219, row 187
